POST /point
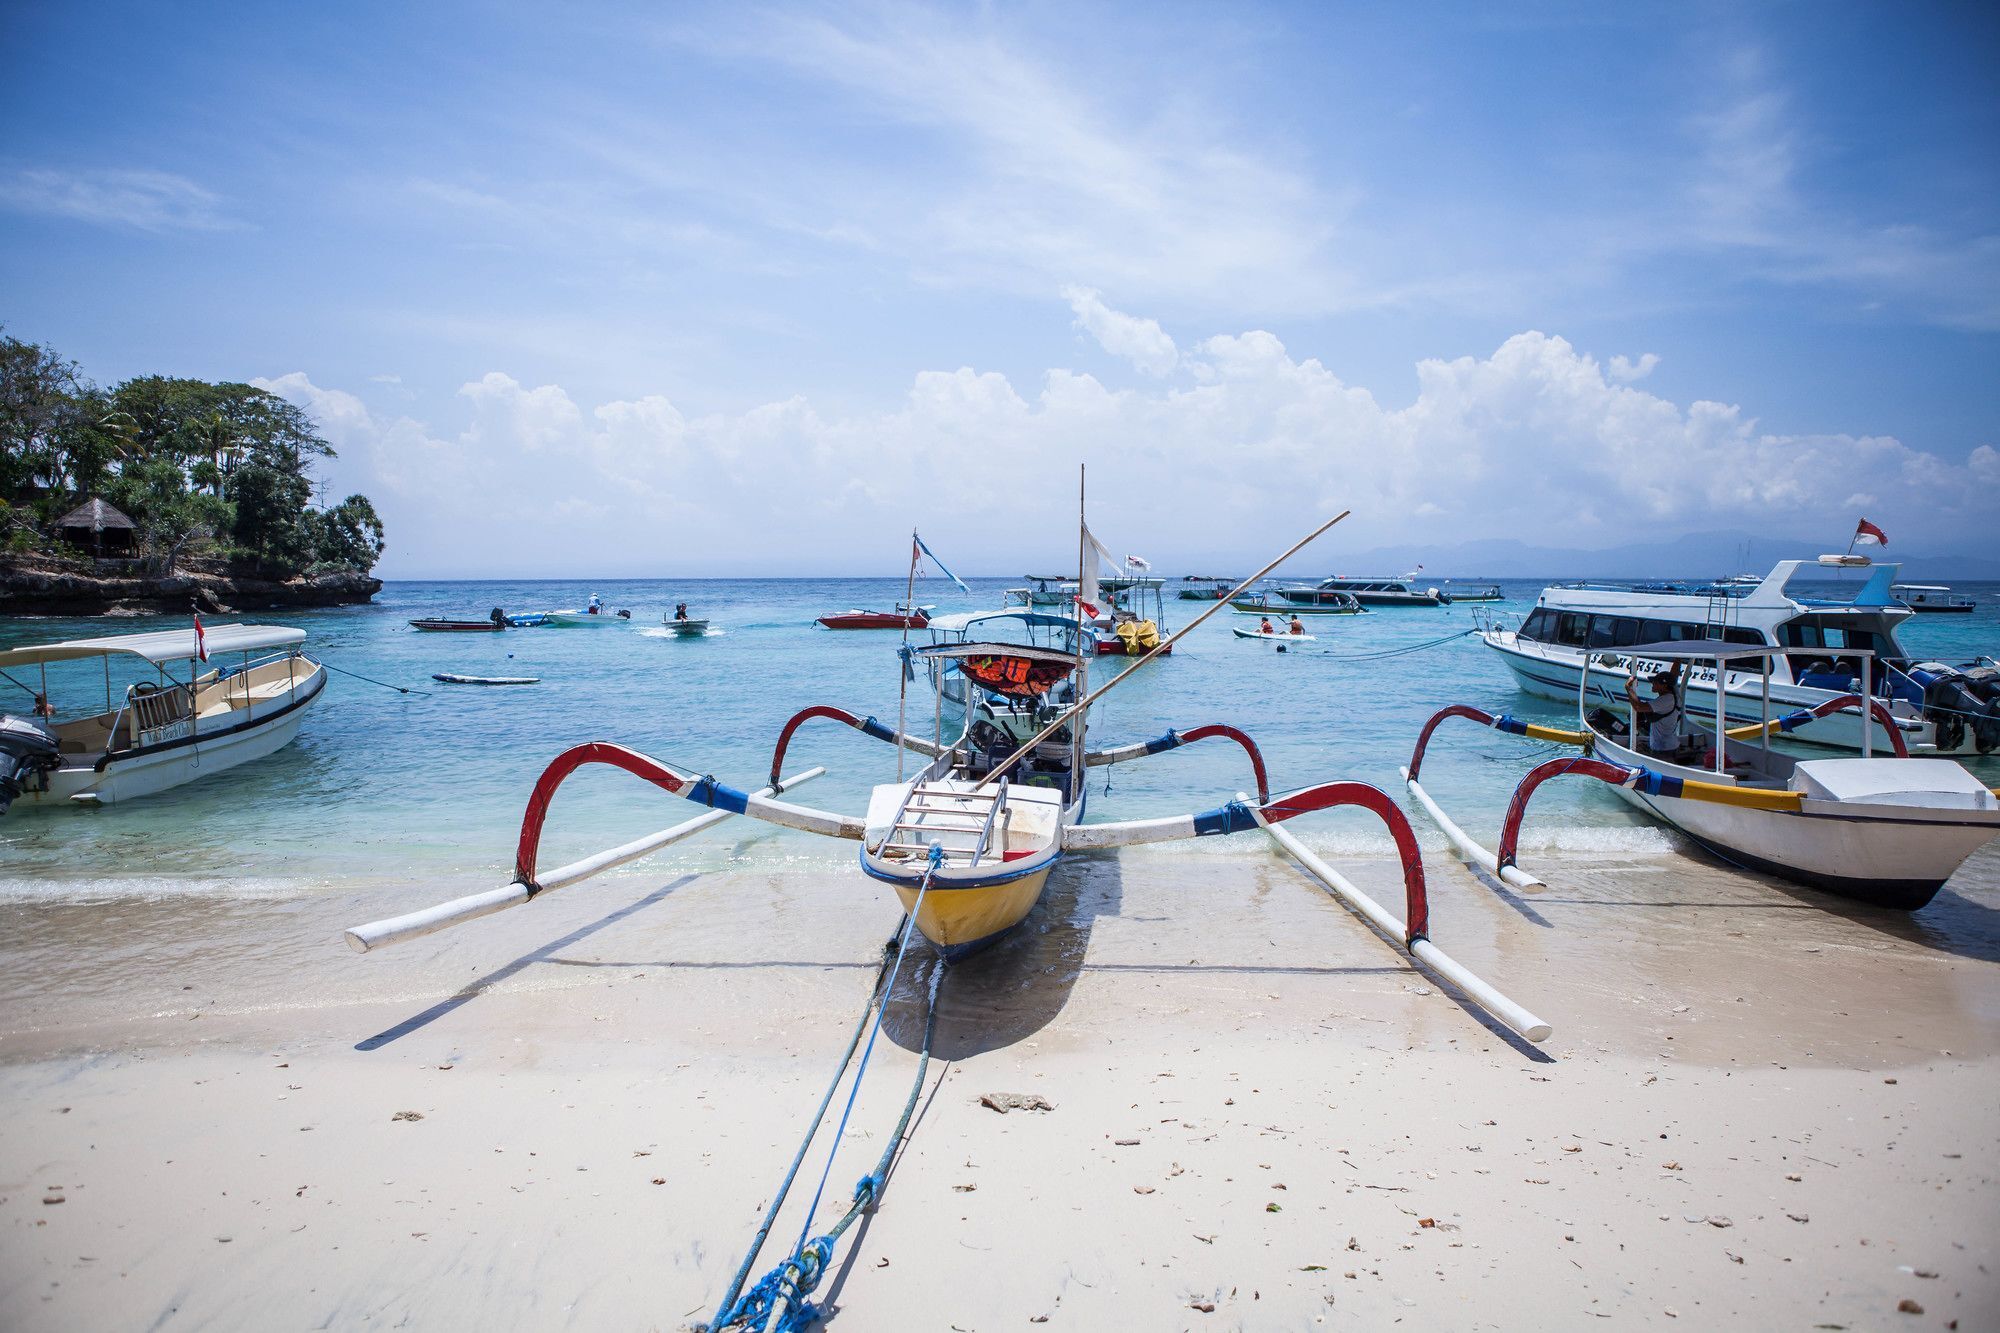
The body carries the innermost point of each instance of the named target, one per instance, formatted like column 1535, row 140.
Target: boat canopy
column 1008, row 668
column 160, row 646
column 966, row 620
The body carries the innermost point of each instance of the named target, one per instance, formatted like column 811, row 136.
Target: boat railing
column 158, row 714
column 986, row 830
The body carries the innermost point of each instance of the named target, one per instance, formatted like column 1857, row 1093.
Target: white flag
column 1138, row 562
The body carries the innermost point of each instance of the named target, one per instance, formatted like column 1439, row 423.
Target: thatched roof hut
column 99, row 528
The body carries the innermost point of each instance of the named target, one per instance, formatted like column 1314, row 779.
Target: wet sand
column 1757, row 1110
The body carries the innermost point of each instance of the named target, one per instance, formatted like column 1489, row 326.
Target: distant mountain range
column 1696, row 555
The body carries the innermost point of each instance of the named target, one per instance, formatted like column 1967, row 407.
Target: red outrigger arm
column 702, row 791
column 1173, row 740
column 867, row 726
column 1241, row 816
column 1504, row 722
column 1793, row 721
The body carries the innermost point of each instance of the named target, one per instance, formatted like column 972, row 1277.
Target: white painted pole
column 411, row 925
column 1487, row 998
column 1467, row 849
column 1867, row 709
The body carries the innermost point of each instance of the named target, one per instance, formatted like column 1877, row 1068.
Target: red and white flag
column 1089, row 609
column 1138, row 562
column 1867, row 534
column 200, row 639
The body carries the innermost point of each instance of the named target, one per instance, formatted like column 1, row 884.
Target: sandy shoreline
column 228, row 1155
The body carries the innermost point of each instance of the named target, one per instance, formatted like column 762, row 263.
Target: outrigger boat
column 160, row 733
column 967, row 845
column 1888, row 832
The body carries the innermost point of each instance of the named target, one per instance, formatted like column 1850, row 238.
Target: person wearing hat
column 1661, row 714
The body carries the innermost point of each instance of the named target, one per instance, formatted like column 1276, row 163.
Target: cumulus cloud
column 1535, row 439
column 1141, row 341
column 1626, row 372
column 145, row 200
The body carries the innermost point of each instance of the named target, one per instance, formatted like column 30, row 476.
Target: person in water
column 1297, row 626
column 43, row 708
column 1660, row 714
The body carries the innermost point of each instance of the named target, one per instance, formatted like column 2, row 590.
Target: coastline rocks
column 36, row 588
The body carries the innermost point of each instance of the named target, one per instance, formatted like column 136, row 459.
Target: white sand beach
column 1757, row 1110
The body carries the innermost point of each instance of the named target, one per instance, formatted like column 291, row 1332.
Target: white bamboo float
column 1487, row 998
column 1467, row 849
column 411, row 925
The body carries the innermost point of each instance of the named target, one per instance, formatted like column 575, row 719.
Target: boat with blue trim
column 1817, row 635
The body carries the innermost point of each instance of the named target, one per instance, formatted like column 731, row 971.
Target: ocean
column 426, row 788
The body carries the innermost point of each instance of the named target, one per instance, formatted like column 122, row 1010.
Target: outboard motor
column 1957, row 702
column 26, row 752
column 498, row 617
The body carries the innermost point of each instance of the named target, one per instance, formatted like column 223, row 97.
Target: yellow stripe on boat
column 1752, row 798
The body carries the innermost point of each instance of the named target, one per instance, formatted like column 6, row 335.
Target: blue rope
column 800, row 1274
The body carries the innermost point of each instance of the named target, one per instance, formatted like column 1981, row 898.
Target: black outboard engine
column 26, row 752
column 498, row 617
column 1958, row 702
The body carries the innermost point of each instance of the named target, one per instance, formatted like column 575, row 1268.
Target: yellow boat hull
column 959, row 921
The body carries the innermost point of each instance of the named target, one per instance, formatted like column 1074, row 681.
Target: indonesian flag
column 1089, row 609
column 1867, row 534
column 1138, row 562
column 200, row 639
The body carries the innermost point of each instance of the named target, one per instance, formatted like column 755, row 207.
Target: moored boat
column 1204, row 588
column 493, row 623
column 1931, row 597
column 160, row 733
column 1401, row 591
column 1938, row 708
column 1269, row 604
column 1885, row 831
column 903, row 617
column 1471, row 592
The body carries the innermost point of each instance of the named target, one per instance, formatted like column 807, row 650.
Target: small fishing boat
column 1883, row 831
column 451, row 678
column 1931, row 597
column 1268, row 604
column 1275, row 636
column 441, row 625
column 685, row 628
column 160, row 733
column 586, row 618
column 903, row 617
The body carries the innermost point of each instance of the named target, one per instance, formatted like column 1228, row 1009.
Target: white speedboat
column 1939, row 709
column 585, row 618
column 158, row 733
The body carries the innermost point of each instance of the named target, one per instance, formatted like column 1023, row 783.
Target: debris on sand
column 1003, row 1102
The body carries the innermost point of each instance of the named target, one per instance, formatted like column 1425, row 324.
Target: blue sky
column 656, row 290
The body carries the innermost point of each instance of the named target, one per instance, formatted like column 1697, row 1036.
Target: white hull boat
column 163, row 733
column 1817, row 646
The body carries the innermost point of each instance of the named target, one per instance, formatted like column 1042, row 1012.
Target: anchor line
column 1397, row 652
column 778, row 1299
column 400, row 689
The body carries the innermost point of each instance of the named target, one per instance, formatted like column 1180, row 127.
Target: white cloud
column 146, row 200
column 1535, row 440
column 1627, row 372
column 1141, row 341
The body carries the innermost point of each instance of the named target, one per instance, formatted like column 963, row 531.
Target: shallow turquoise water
column 383, row 786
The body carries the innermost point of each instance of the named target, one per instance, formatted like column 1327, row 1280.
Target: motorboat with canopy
column 188, row 721
column 1888, row 831
column 1818, row 640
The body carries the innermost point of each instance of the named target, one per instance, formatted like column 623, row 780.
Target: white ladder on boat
column 960, row 822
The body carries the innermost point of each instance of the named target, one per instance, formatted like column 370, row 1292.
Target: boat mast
column 1078, row 749
column 903, row 658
